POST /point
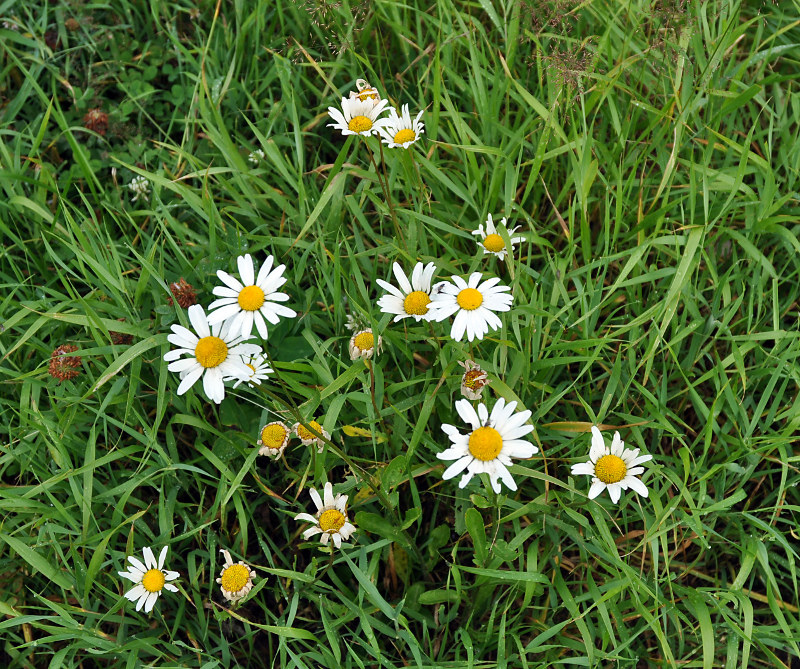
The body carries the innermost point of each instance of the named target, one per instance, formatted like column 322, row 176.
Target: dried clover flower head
column 62, row 366
column 96, row 120
column 183, row 292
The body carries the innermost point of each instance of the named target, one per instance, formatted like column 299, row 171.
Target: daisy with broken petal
column 474, row 302
column 236, row 579
column 307, row 437
column 364, row 344
column 274, row 437
column 258, row 368
column 214, row 353
column 358, row 117
column 365, row 93
column 491, row 444
column 254, row 299
column 150, row 578
column 492, row 242
column 331, row 519
column 412, row 298
column 473, row 381
column 401, row 131
column 614, row 468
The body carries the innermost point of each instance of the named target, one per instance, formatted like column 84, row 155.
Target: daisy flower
column 473, row 381
column 150, row 578
column 235, row 579
column 215, row 355
column 363, row 345
column 412, row 298
column 614, row 468
column 474, row 303
column 274, row 437
column 307, row 437
column 258, row 368
column 357, row 117
column 331, row 519
column 491, row 444
column 400, row 131
column 253, row 300
column 493, row 243
column 366, row 92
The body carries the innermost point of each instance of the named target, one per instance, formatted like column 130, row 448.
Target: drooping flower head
column 259, row 370
column 413, row 298
column 150, row 579
column 491, row 242
column 400, row 130
column 365, row 93
column 474, row 304
column 331, row 518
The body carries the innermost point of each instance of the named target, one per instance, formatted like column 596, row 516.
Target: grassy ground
column 650, row 153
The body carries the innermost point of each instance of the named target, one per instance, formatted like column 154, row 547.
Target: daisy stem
column 378, row 415
column 385, row 188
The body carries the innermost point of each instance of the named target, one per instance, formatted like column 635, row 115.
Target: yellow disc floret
column 475, row 379
column 416, row 303
column 494, row 243
column 485, row 443
column 251, row 298
column 211, row 351
column 235, row 577
column 153, row 580
column 364, row 340
column 360, row 124
column 331, row 520
column 305, row 434
column 469, row 299
column 405, row 135
column 610, row 469
column 273, row 435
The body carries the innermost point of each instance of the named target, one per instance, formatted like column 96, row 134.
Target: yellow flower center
column 364, row 341
column 405, row 135
column 305, row 434
column 251, row 367
column 235, row 577
column 153, row 580
column 417, row 303
column 211, row 351
column 469, row 299
column 494, row 243
column 610, row 469
column 474, row 379
column 251, row 298
column 273, row 435
column 369, row 94
column 360, row 124
column 485, row 443
column 331, row 520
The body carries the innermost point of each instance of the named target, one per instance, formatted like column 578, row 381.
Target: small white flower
column 150, row 578
column 400, row 130
column 491, row 444
column 215, row 355
column 614, row 468
column 492, row 242
column 473, row 303
column 274, row 438
column 331, row 519
column 413, row 298
column 364, row 345
column 140, row 187
column 254, row 300
column 352, row 323
column 259, row 370
column 474, row 380
column 307, row 437
column 366, row 92
column 235, row 579
column 357, row 117
column 256, row 156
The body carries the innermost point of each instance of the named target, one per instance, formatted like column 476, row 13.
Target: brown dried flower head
column 120, row 338
column 473, row 381
column 63, row 367
column 96, row 120
column 183, row 293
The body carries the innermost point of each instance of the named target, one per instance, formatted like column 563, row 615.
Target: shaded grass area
column 650, row 153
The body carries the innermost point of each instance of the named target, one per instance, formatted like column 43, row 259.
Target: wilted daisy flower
column 253, row 300
column 473, row 303
column 256, row 156
column 140, row 187
column 274, row 437
column 307, row 437
column 357, row 117
column 235, row 579
column 62, row 366
column 473, row 381
column 366, row 92
column 491, row 444
column 215, row 355
column 363, row 345
column 614, row 468
column 493, row 243
column 401, row 131
column 258, row 368
column 331, row 519
column 150, row 578
column 412, row 298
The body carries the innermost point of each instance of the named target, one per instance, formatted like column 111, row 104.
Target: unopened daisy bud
column 63, row 366
column 96, row 120
column 307, row 437
column 235, row 579
column 473, row 381
column 274, row 437
column 363, row 345
column 183, row 292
